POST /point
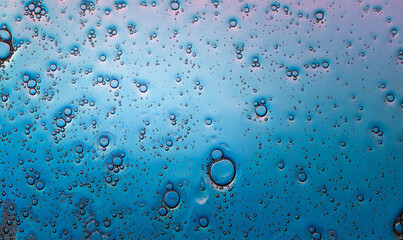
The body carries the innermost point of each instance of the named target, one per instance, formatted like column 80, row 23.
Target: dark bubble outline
column 218, row 160
column 10, row 43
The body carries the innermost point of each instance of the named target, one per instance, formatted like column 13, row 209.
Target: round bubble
column 203, row 222
column 302, row 177
column 162, row 211
column 60, row 122
column 319, row 15
column 222, row 172
column 143, row 88
column 171, row 199
column 233, row 23
column 114, row 83
column 175, row 5
column 40, row 185
column 31, row 83
column 32, row 91
column 5, row 35
column 68, row 111
column 261, row 110
column 104, row 141
column 216, row 154
column 317, row 236
column 53, row 67
column 117, row 161
column 4, row 50
column 31, row 181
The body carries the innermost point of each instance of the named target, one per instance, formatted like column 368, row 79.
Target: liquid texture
column 187, row 119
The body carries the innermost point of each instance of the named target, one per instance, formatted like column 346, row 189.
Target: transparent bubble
column 104, row 141
column 316, row 236
column 117, row 161
column 261, row 110
column 31, row 83
column 143, row 88
column 171, row 199
column 175, row 5
column 5, row 50
column 390, row 98
column 31, row 181
column 319, row 15
column 222, row 172
column 203, row 222
column 4, row 35
column 114, row 83
column 53, row 67
column 162, row 211
column 216, row 154
column 233, row 23
column 302, row 177
column 60, row 122
column 40, row 185
column 68, row 111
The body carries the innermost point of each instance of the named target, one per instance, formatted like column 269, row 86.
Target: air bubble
column 31, row 83
column 203, row 222
column 175, row 5
column 68, row 111
column 143, row 88
column 4, row 35
column 302, row 177
column 5, row 50
column 114, row 83
column 261, row 110
column 31, row 181
column 232, row 23
column 171, row 199
column 390, row 98
column 104, row 142
column 316, row 236
column 40, row 185
column 117, row 161
column 216, row 154
column 319, row 15
column 60, row 122
column 222, row 172
column 53, row 67
column 162, row 211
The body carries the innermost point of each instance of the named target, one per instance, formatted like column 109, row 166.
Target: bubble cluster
column 35, row 10
column 86, row 6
